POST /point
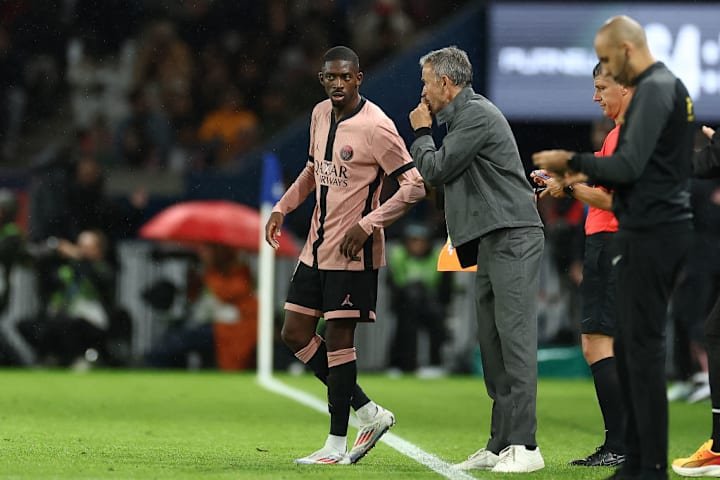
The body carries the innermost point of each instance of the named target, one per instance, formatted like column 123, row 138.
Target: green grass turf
column 58, row 424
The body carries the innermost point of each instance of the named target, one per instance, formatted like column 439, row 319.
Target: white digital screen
column 541, row 55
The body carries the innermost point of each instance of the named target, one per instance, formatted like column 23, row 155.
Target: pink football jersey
column 347, row 162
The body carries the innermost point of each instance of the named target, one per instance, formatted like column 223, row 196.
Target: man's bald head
column 621, row 47
column 622, row 29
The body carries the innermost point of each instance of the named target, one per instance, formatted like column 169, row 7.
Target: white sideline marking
column 401, row 445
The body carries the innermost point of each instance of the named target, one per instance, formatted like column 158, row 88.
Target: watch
column 569, row 190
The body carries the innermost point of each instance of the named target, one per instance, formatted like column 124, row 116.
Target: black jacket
column 706, row 162
column 652, row 165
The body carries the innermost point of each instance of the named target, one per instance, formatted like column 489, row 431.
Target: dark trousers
column 712, row 345
column 429, row 316
column 647, row 264
column 172, row 349
column 65, row 338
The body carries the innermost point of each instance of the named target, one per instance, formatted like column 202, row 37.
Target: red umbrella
column 215, row 221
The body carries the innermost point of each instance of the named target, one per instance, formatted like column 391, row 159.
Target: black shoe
column 602, row 457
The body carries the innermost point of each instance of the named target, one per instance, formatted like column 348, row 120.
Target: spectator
column 12, row 251
column 163, row 58
column 89, row 207
column 99, row 81
column 232, row 128
column 50, row 176
column 696, row 292
column 223, row 321
column 12, row 247
column 73, row 325
column 12, row 95
column 419, row 298
column 67, row 198
column 143, row 138
column 383, row 28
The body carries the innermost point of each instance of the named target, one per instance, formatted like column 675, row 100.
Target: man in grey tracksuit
column 492, row 220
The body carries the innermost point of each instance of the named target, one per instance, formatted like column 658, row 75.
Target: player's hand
column 352, row 242
column 555, row 188
column 68, row 249
column 709, row 132
column 420, row 117
column 539, row 176
column 272, row 229
column 552, row 160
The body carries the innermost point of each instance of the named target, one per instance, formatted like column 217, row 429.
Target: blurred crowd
column 157, row 85
column 181, row 85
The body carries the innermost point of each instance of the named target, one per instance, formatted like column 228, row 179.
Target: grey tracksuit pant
column 507, row 283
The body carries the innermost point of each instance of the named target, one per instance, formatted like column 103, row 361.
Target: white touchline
column 401, row 445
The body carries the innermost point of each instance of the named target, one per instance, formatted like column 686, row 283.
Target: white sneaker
column 700, row 393
column 518, row 459
column 483, row 459
column 370, row 433
column 679, row 391
column 431, row 373
column 324, row 456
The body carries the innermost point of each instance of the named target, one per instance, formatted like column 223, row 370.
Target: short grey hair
column 451, row 62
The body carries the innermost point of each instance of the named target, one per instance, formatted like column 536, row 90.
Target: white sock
column 337, row 443
column 367, row 412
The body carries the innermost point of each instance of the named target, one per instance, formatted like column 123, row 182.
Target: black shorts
column 598, row 286
column 333, row 293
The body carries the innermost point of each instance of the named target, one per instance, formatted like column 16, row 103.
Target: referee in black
column 649, row 173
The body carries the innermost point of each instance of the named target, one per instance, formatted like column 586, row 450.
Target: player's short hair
column 598, row 71
column 451, row 62
column 342, row 53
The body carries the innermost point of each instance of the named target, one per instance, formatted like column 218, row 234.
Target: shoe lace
column 705, row 447
column 507, row 454
column 477, row 454
column 598, row 452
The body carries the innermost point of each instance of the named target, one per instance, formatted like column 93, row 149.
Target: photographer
column 76, row 319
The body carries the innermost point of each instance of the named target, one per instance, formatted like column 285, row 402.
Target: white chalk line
column 398, row 443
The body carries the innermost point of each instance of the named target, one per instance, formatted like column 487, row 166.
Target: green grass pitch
column 152, row 425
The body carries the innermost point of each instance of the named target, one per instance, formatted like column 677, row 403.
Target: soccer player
column 353, row 145
column 649, row 173
column 598, row 285
column 705, row 462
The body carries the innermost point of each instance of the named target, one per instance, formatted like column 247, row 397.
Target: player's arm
column 439, row 166
column 392, row 156
column 593, row 196
column 412, row 190
column 303, row 185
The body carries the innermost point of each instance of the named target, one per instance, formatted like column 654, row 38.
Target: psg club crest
column 346, row 152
